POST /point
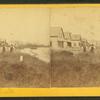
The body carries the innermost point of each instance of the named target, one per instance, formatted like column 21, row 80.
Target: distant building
column 56, row 37
column 64, row 40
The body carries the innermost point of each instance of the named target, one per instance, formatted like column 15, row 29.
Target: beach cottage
column 56, row 37
column 64, row 40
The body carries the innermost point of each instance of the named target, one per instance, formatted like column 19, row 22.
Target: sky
column 79, row 20
column 33, row 24
column 25, row 24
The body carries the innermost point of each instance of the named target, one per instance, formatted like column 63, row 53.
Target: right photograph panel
column 75, row 47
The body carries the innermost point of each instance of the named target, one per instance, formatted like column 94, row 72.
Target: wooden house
column 64, row 40
column 56, row 37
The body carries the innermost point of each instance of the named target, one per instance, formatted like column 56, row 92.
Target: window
column 69, row 44
column 61, row 44
column 50, row 43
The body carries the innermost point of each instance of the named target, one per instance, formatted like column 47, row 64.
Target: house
column 56, row 37
column 64, row 40
column 67, row 38
column 76, row 40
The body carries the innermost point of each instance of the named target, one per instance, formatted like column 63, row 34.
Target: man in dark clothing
column 3, row 49
column 92, row 48
column 84, row 48
column 11, row 48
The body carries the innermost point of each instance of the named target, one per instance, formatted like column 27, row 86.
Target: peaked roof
column 55, row 31
column 67, row 35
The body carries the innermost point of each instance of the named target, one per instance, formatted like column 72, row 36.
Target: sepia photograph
column 75, row 46
column 49, row 47
column 24, row 47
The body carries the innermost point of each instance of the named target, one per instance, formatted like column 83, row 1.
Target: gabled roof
column 75, row 37
column 58, row 32
column 67, row 35
column 55, row 31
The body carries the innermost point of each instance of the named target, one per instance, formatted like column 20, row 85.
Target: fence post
column 21, row 59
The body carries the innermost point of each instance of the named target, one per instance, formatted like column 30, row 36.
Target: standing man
column 92, row 48
column 84, row 48
column 3, row 49
column 11, row 48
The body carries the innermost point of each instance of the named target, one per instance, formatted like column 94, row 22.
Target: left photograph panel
column 24, row 47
